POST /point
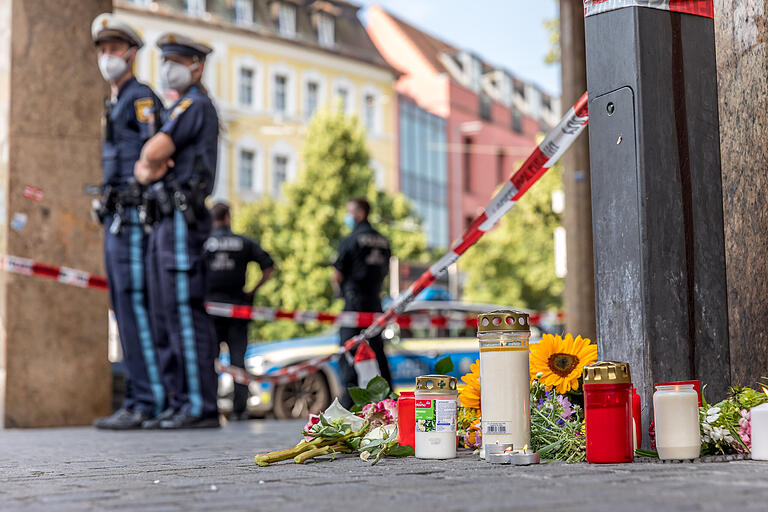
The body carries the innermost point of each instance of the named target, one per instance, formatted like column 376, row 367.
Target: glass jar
column 608, row 413
column 436, row 399
column 505, row 378
column 676, row 417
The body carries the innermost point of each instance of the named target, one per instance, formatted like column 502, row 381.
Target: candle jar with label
column 758, row 424
column 406, row 418
column 676, row 416
column 608, row 413
column 505, row 378
column 436, row 399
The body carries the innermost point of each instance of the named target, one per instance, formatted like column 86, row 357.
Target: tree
column 514, row 263
column 303, row 231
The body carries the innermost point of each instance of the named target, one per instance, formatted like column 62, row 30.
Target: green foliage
column 444, row 366
column 514, row 264
column 303, row 231
column 553, row 29
column 376, row 391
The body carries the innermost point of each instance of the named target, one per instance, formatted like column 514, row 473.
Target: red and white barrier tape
column 357, row 319
column 539, row 162
column 696, row 7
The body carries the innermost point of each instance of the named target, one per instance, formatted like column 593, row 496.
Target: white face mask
column 112, row 67
column 177, row 76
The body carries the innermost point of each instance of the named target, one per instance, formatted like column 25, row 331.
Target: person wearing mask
column 178, row 165
column 228, row 256
column 360, row 268
column 132, row 115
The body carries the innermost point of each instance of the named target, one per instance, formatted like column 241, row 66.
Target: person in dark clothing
column 228, row 256
column 360, row 269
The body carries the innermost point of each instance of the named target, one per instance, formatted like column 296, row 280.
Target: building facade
column 275, row 63
column 491, row 117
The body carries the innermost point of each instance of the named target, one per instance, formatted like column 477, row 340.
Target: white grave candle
column 676, row 415
column 758, row 426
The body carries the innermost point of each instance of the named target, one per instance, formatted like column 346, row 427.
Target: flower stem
column 319, row 452
column 268, row 458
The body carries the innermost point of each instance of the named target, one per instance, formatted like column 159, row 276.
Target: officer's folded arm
column 155, row 159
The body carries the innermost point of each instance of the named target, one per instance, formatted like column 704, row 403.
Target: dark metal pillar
column 657, row 197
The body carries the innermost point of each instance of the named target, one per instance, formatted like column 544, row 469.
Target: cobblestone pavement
column 83, row 469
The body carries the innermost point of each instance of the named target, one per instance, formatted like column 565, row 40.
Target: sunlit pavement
column 84, row 469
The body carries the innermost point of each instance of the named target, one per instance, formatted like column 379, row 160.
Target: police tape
column 543, row 157
column 82, row 279
column 696, row 7
column 455, row 320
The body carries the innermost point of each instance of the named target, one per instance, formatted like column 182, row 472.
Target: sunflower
column 469, row 395
column 561, row 361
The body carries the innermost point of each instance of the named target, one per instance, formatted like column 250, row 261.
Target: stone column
column 579, row 297
column 741, row 38
column 53, row 337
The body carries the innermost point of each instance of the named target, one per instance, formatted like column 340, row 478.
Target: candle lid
column 502, row 320
column 607, row 372
column 436, row 383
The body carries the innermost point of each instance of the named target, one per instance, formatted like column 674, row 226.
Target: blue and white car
column 411, row 352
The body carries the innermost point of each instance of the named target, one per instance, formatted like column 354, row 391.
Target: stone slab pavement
column 84, row 469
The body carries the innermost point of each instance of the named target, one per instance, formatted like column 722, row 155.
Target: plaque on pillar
column 657, row 194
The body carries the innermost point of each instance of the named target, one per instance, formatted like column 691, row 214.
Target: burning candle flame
column 765, row 390
column 525, row 448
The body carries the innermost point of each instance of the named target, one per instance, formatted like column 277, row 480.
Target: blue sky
column 509, row 33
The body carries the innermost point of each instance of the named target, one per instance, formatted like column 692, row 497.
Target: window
column 468, row 220
column 194, row 7
column 246, row 170
column 142, row 3
column 279, row 101
column 369, row 113
column 279, row 174
column 485, row 106
column 286, row 20
column 244, row 12
column 246, row 86
column 325, row 30
column 500, row 174
column 311, row 99
column 467, row 149
column 343, row 95
column 517, row 121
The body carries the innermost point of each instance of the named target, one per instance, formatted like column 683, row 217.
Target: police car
column 410, row 352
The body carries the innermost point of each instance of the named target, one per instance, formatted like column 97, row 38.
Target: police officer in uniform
column 228, row 256
column 131, row 117
column 360, row 269
column 178, row 165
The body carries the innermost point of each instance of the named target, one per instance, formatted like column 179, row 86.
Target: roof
column 431, row 47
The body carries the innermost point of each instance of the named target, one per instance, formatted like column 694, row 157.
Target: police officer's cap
column 177, row 44
column 108, row 26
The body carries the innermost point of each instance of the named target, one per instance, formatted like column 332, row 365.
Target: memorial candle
column 676, row 416
column 758, row 426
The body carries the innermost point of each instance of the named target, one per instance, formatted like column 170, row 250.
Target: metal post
column 657, row 193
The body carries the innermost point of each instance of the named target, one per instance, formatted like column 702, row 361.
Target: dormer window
column 325, row 30
column 286, row 20
column 244, row 12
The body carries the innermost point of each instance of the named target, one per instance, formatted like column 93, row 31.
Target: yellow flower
column 561, row 361
column 469, row 395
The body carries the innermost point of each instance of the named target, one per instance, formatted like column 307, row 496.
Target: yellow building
column 275, row 62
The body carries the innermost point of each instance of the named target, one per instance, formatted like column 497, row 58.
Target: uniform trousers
column 183, row 331
column 347, row 369
column 124, row 254
column 234, row 331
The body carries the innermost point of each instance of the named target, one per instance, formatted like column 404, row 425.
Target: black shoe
column 154, row 423
column 238, row 416
column 122, row 419
column 184, row 420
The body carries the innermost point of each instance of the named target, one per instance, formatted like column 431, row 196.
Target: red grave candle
column 608, row 413
column 406, row 419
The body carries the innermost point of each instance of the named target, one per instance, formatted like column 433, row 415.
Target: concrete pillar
column 579, row 297
column 53, row 337
column 741, row 35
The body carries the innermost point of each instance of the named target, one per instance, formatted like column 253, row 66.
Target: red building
column 492, row 118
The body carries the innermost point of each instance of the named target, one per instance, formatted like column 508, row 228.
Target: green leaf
column 401, row 451
column 360, row 396
column 378, row 389
column 444, row 366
